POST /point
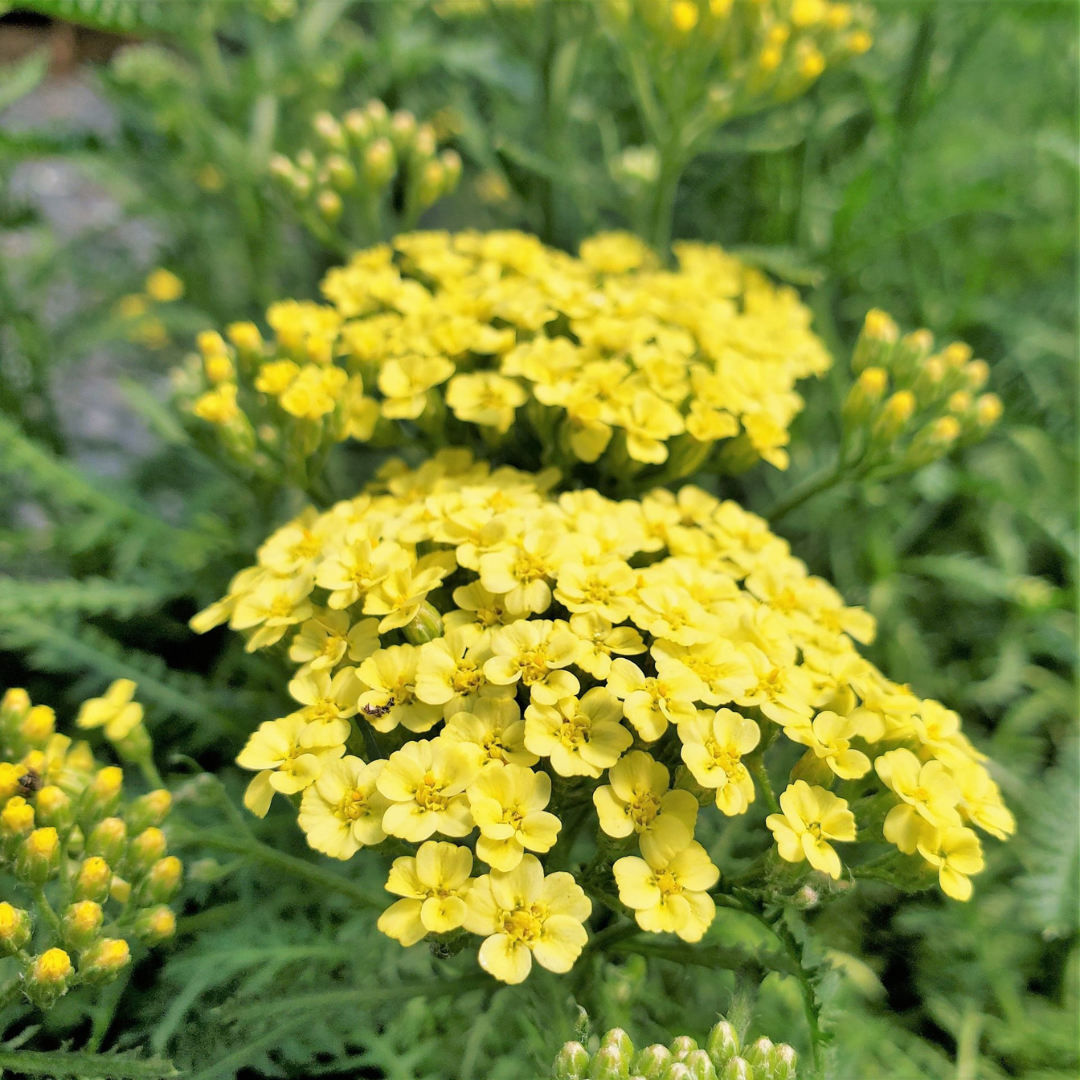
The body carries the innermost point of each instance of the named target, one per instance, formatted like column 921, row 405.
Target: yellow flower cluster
column 342, row 179
column 136, row 309
column 476, row 655
column 753, row 53
column 95, row 867
column 609, row 358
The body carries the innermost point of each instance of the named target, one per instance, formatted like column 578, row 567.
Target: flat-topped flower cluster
column 441, row 338
column 479, row 659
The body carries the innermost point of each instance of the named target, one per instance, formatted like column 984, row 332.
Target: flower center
column 306, row 548
column 574, row 731
column 533, row 665
column 466, row 677
column 429, row 794
column 524, row 924
column 528, row 567
column 281, row 608
column 666, row 883
column 352, row 805
column 642, row 808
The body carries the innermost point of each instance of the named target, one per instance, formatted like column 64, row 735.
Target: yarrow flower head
column 81, row 854
column 614, row 364
column 651, row 667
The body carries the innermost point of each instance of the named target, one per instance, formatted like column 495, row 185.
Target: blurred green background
column 936, row 177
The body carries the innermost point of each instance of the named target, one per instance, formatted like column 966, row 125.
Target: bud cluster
column 910, row 405
column 93, row 866
column 339, row 185
column 719, row 1058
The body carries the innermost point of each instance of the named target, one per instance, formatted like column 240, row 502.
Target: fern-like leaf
column 141, row 17
column 92, row 596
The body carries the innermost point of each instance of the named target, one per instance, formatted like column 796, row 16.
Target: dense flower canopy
column 606, row 358
column 475, row 654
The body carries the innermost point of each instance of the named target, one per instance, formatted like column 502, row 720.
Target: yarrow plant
column 92, row 866
column 487, row 671
column 606, row 360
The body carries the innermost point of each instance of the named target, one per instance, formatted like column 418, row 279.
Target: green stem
column 46, row 908
column 811, row 1006
column 10, row 993
column 756, row 765
column 811, row 486
column 277, row 860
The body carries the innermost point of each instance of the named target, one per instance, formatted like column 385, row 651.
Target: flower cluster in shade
column 474, row 654
column 92, row 865
column 722, row 1056
column 493, row 339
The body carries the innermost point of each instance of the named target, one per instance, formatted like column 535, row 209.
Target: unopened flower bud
column 425, row 626
column 959, row 404
column 81, row 923
column 865, row 393
column 38, row 725
column 358, row 126
column 699, row 1065
column 976, row 374
column 910, row 353
column 957, row 354
column 108, row 839
column 378, row 114
column 102, row 795
column 677, row 1070
column 163, row 881
column 737, row 1069
column 150, row 809
column 329, row 205
column 431, row 184
column 608, row 1064
column 988, row 410
column 39, row 856
column 14, row 705
column 341, row 172
column 651, row 1063
column 93, row 880
column 451, row 163
column 328, row 130
column 759, row 1054
column 402, row 129
column 933, row 441
column 784, row 1063
column 874, row 347
column 281, row 169
column 53, row 807
column 858, row 42
column 894, row 416
column 16, row 819
column 11, row 777
column 155, row 925
column 424, row 142
column 80, row 759
column 571, row 1062
column 145, row 850
column 619, row 1039
column 248, row 341
column 15, row 929
column 104, row 960
column 722, row 1043
column 46, row 977
column 682, row 1046
column 379, row 163
column 119, row 889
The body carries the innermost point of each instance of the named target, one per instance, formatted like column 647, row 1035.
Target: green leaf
column 786, row 263
column 18, row 81
column 83, row 1064
column 69, row 595
column 113, row 16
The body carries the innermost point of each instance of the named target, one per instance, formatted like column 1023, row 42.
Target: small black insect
column 30, row 782
column 375, row 711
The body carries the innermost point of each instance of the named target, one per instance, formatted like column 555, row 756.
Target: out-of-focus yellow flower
column 811, row 818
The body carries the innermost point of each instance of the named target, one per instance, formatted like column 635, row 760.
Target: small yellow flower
column 523, row 916
column 450, row 671
column 811, row 817
column 713, row 748
column 434, row 886
column 507, row 803
column 493, row 732
column 668, row 888
column 829, row 738
column 273, row 605
column 426, row 781
column 606, row 589
column 535, row 651
column 980, row 800
column 352, row 570
column 956, row 853
column 636, row 799
column 485, row 398
column 284, row 763
column 217, row 406
column 399, row 596
column 390, row 698
column 650, row 704
column 405, row 382
column 582, row 737
column 599, row 639
column 328, row 704
column 342, row 810
column 116, row 711
column 928, row 793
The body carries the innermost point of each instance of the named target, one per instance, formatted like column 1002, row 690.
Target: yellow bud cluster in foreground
column 476, row 656
column 609, row 358
column 94, row 865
